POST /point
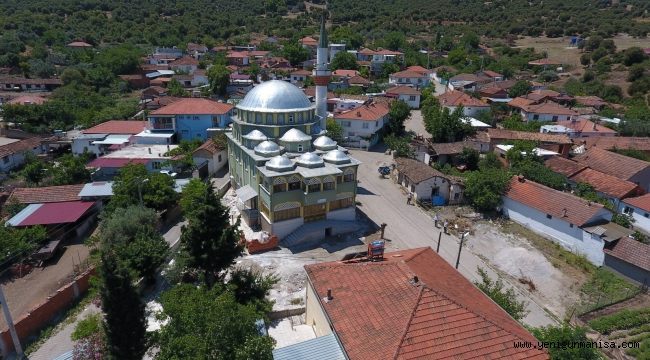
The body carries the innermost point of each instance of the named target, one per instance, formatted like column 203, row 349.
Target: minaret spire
column 322, row 74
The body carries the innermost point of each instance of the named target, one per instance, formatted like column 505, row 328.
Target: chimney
column 521, row 178
column 415, row 279
column 329, row 294
column 149, row 150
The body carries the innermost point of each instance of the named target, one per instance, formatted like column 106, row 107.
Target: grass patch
column 296, row 301
column 87, row 327
column 622, row 320
column 604, row 288
column 642, row 353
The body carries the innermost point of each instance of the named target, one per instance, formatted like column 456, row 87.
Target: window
column 281, row 215
column 269, row 119
column 412, row 98
column 219, row 158
column 155, row 165
column 300, row 148
column 279, row 188
column 351, row 133
column 300, row 117
column 295, row 185
column 258, row 118
column 5, row 159
column 281, row 119
column 290, row 119
column 365, row 125
column 646, row 215
column 554, row 118
column 571, row 225
column 329, row 185
column 346, row 123
column 348, row 177
column 376, row 123
column 339, row 179
column 628, row 210
column 313, row 188
column 548, row 216
column 456, row 196
column 535, row 117
column 342, row 203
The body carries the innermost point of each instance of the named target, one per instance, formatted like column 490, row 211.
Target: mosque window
column 291, row 119
column 281, row 119
column 269, row 119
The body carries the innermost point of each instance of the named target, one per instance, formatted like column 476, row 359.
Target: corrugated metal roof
column 321, row 348
column 52, row 213
column 23, row 214
column 97, row 188
column 245, row 193
column 113, row 140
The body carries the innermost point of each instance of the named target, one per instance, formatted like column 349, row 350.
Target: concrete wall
column 41, row 315
column 570, row 237
column 10, row 162
column 470, row 110
column 195, row 126
column 314, row 314
column 283, row 228
column 346, row 214
column 357, row 128
column 413, row 104
column 628, row 270
column 640, row 220
column 543, row 117
column 642, row 178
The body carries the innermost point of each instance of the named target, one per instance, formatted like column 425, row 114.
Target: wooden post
column 439, row 236
column 460, row 247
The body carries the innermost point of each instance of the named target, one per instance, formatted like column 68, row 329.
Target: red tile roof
column 587, row 126
column 342, row 72
column 631, row 251
column 564, row 166
column 27, row 100
column 309, row 41
column 616, row 142
column 46, row 194
column 301, row 72
column 492, row 74
column 593, row 101
column 369, row 112
column 408, row 74
column 559, row 204
column 406, row 90
column 185, row 60
column 19, row 146
column 124, row 127
column 621, row 166
column 379, row 312
column 520, row 102
column 548, row 107
column 503, row 134
column 607, row 184
column 642, row 202
column 192, row 106
column 457, row 98
column 209, row 146
column 419, row 69
column 103, row 162
column 358, row 80
column 416, row 171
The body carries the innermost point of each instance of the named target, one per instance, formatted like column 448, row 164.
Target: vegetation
column 515, row 122
column 15, row 242
column 344, row 60
column 485, row 187
column 445, row 126
column 624, row 319
column 398, row 113
column 605, row 287
column 524, row 161
column 66, row 170
column 399, row 144
column 87, row 327
column 566, row 334
column 334, row 130
column 506, row 299
column 219, row 78
column 134, row 185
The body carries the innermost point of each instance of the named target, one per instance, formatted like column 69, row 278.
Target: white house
column 216, row 156
column 334, row 49
column 12, row 154
column 562, row 217
column 639, row 209
column 412, row 76
column 471, row 106
column 408, row 94
column 299, row 76
column 361, row 125
column 426, row 183
column 109, row 135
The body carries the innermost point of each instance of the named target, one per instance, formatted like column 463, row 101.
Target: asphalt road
column 410, row 227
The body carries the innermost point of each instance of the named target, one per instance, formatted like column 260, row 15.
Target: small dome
column 336, row 157
column 295, row 135
column 267, row 148
column 275, row 96
column 324, row 143
column 255, row 135
column 279, row 163
column 309, row 159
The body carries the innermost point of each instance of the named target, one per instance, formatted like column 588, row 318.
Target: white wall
column 78, row 145
column 572, row 238
column 543, row 117
column 413, row 104
column 12, row 161
column 286, row 227
column 356, row 127
column 640, row 220
column 470, row 110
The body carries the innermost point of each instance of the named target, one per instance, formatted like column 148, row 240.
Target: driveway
column 410, row 227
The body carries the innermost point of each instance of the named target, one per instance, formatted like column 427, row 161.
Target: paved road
column 409, row 227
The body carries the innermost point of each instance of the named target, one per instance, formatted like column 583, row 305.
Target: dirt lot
column 24, row 293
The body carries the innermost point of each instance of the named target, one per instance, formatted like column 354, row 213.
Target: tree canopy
column 445, row 126
column 344, row 60
column 134, row 182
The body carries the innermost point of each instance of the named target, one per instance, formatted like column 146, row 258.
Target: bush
column 87, row 327
column 624, row 319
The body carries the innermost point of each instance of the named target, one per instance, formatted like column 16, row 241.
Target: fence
column 41, row 315
column 603, row 301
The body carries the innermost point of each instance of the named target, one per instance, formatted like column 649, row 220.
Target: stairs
column 310, row 234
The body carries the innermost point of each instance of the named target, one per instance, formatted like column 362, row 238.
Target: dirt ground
column 24, row 293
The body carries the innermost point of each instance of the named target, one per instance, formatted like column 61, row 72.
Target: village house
column 606, row 186
column 191, row 118
column 578, row 128
column 334, row 49
column 416, row 76
column 502, row 151
column 428, row 184
column 153, row 157
column 492, row 137
column 447, row 153
column 465, row 82
column 186, row 65
column 471, row 106
column 299, row 76
column 377, row 58
column 419, row 305
column 408, row 94
column 629, row 258
column 212, row 155
column 27, row 100
column 344, row 73
column 562, row 217
column 639, row 208
column 13, row 153
column 107, row 136
column 621, row 166
column 15, row 83
column 196, row 51
column 361, row 125
column 613, row 143
column 591, row 101
column 496, row 91
column 360, row 81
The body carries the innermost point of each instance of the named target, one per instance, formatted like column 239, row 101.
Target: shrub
column 624, row 319
column 87, row 327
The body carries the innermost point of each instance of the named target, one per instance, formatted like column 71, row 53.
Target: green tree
column 445, row 126
column 252, row 287
column 219, row 78
column 346, row 35
column 209, row 239
column 394, row 40
column 34, row 170
column 121, row 59
column 397, row 114
column 174, row 88
column 505, row 298
column 295, row 53
column 209, row 324
column 470, row 158
column 334, row 130
column 633, row 55
column 124, row 313
column 485, row 187
column 490, row 161
column 15, row 241
column 70, row 169
column 635, row 72
column 400, row 144
column 388, row 68
column 566, row 334
column 344, row 60
column 134, row 182
column 520, row 88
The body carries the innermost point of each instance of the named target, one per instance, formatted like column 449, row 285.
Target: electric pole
column 10, row 323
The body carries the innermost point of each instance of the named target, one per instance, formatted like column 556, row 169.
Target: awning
column 51, row 213
column 245, row 193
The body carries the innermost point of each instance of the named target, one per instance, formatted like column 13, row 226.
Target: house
column 559, row 216
column 309, row 42
column 497, row 91
column 471, row 106
column 493, row 137
column 606, row 186
column 107, row 136
column 359, row 80
column 409, row 304
column 639, row 208
column 154, row 92
column 172, row 52
column 12, row 155
column 45, row 194
column 615, row 143
column 186, row 64
column 27, row 100
column 158, row 102
column 190, row 118
column 410, row 77
column 136, row 81
column 238, row 58
column 591, row 101
column 196, row 51
column 377, row 58
column 578, row 128
column 345, row 73
column 211, row 154
column 502, row 151
column 408, row 94
column 492, row 75
column 362, row 125
column 620, row 166
column 629, row 258
column 299, row 76
column 15, row 83
column 153, row 157
column 548, row 111
column 334, row 49
column 428, row 184
column 447, row 153
column 464, row 82
column 477, row 124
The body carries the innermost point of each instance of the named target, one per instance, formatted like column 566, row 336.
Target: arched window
column 280, row 119
column 269, row 119
column 290, row 118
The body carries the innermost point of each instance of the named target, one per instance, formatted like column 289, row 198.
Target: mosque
column 285, row 170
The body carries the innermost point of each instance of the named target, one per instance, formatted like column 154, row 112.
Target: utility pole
column 460, row 247
column 439, row 236
column 10, row 323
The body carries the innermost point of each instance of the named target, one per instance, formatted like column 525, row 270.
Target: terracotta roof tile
column 123, row 127
column 607, row 184
column 19, row 146
column 185, row 60
column 416, row 171
column 593, row 101
column 491, row 73
column 520, row 102
column 617, row 142
column 642, row 202
column 585, row 125
column 192, row 106
column 503, row 134
column 549, row 107
column 358, row 80
column 457, row 98
column 406, row 90
column 454, row 147
column 408, row 74
column 46, row 194
column 559, row 204
column 378, row 312
column 368, row 112
column 343, row 72
column 210, row 146
column 621, row 166
column 564, row 166
column 631, row 251
column 419, row 69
